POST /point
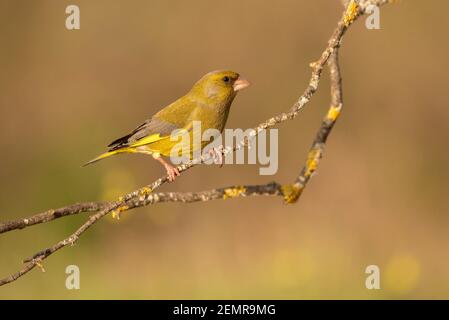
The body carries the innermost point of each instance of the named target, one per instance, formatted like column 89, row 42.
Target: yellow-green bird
column 208, row 101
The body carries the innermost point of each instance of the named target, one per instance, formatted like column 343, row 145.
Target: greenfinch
column 208, row 102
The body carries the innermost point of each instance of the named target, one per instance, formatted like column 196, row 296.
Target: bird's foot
column 172, row 172
column 217, row 154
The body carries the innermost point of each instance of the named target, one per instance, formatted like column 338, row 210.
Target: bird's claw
column 172, row 172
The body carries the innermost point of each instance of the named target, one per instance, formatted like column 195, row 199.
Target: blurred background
column 380, row 195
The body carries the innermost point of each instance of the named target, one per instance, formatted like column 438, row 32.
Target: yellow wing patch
column 147, row 140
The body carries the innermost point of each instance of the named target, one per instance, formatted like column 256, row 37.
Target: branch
column 50, row 215
column 146, row 196
column 293, row 192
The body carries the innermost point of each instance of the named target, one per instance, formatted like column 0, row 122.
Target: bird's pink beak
column 240, row 84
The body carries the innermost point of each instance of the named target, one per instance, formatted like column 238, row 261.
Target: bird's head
column 219, row 86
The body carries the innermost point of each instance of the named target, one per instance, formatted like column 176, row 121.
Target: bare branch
column 50, row 215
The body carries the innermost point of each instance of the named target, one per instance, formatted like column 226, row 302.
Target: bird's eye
column 226, row 79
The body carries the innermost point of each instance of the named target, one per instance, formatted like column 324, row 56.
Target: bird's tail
column 102, row 156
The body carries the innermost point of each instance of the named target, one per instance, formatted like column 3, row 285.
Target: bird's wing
column 175, row 116
column 151, row 130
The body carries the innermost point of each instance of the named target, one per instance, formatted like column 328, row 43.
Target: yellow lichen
column 291, row 193
column 145, row 190
column 233, row 192
column 350, row 14
column 116, row 213
column 312, row 161
column 313, row 64
column 333, row 113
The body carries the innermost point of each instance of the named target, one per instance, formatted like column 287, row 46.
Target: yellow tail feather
column 107, row 154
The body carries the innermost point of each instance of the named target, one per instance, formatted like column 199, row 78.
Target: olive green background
column 380, row 195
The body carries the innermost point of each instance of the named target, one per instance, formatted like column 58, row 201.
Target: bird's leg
column 172, row 171
column 217, row 154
